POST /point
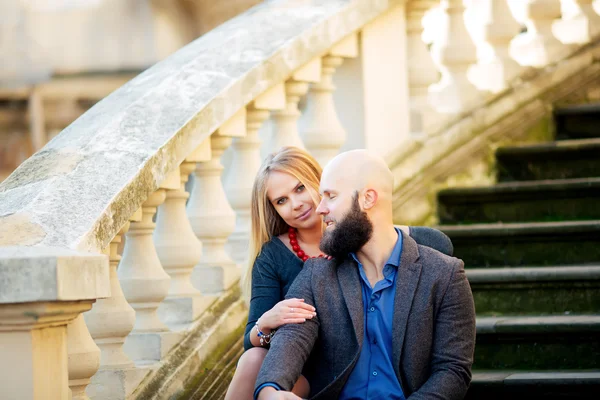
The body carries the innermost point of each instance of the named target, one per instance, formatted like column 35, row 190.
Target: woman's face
column 292, row 200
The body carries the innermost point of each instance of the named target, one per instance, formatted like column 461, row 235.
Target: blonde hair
column 266, row 222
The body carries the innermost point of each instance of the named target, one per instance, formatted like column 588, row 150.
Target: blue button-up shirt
column 373, row 376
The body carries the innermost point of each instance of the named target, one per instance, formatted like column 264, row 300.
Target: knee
column 251, row 361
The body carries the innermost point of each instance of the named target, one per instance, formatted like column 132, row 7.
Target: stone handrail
column 80, row 189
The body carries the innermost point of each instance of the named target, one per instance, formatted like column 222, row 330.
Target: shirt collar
column 396, row 252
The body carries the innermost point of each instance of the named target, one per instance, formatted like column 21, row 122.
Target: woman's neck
column 310, row 236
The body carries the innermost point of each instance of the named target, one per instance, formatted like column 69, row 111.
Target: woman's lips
column 305, row 214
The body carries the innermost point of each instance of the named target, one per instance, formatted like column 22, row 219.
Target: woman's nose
column 296, row 203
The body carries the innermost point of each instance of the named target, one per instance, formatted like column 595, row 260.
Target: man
column 395, row 320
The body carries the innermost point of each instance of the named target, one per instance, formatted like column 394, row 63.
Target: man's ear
column 370, row 199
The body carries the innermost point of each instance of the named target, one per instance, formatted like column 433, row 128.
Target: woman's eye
column 280, row 202
column 300, row 188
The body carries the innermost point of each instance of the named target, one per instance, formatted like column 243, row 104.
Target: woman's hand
column 290, row 311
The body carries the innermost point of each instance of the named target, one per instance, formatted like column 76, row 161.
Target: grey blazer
column 433, row 330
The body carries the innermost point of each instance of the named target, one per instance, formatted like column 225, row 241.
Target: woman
column 286, row 231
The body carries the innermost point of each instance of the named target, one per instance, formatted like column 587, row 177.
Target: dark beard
column 350, row 234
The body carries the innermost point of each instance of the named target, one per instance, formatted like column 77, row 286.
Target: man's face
column 348, row 228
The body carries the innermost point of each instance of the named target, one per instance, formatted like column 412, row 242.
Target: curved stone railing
column 66, row 211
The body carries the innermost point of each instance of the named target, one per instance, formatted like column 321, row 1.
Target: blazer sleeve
column 266, row 292
column 453, row 342
column 296, row 339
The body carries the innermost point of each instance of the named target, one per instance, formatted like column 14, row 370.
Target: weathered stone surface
column 552, row 385
column 538, row 343
column 565, row 159
column 33, row 274
column 100, row 169
column 526, row 244
column 544, row 200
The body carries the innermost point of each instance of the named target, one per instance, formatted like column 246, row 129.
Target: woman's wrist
column 263, row 337
column 262, row 327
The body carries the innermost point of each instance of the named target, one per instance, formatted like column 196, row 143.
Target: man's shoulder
column 320, row 268
column 320, row 264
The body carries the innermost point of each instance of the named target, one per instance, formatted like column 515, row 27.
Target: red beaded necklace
column 296, row 247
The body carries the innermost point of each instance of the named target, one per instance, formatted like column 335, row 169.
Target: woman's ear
column 370, row 198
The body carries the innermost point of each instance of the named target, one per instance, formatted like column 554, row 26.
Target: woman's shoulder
column 275, row 255
column 272, row 251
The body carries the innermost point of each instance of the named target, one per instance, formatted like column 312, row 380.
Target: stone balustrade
column 102, row 213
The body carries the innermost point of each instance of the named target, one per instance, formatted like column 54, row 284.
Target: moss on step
column 536, row 298
column 215, row 360
column 543, row 352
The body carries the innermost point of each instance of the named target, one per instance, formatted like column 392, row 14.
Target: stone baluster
column 285, row 127
column 33, row 350
column 109, row 322
column 322, row 132
column 496, row 67
column 538, row 47
column 579, row 23
column 45, row 347
column 179, row 250
column 144, row 281
column 422, row 71
column 454, row 51
column 210, row 214
column 83, row 357
column 244, row 166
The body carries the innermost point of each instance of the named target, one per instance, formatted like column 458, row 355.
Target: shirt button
column 374, row 373
column 372, row 309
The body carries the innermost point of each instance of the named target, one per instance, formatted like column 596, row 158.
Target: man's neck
column 375, row 253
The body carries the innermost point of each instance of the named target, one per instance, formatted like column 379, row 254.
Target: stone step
column 538, row 343
column 541, row 290
column 549, row 200
column 547, row 385
column 529, row 244
column 554, row 160
column 578, row 122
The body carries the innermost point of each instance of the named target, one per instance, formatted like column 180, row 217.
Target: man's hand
column 270, row 393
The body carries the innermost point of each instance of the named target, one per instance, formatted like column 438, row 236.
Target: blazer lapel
column 407, row 280
column 349, row 282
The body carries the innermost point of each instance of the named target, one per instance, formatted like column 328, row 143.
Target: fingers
column 294, row 320
column 300, row 314
column 299, row 304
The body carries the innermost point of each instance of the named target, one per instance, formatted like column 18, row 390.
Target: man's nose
column 321, row 208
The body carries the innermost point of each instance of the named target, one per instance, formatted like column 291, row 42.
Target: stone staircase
column 531, row 246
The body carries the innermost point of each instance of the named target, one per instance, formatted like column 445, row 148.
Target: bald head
column 357, row 170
